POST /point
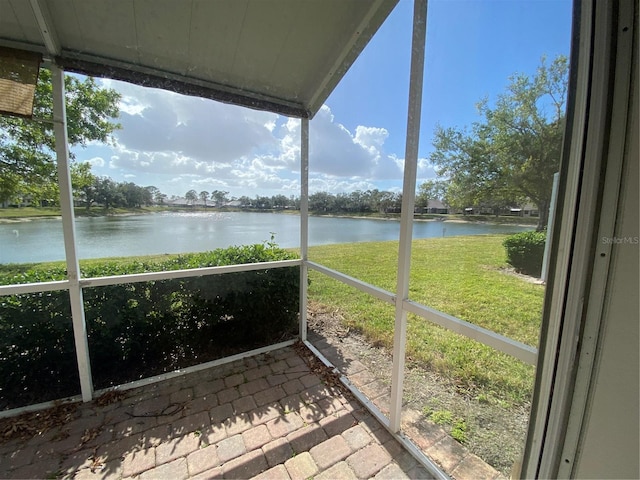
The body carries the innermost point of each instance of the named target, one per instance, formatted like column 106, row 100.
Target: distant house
column 177, row 202
column 515, row 211
column 526, row 210
column 530, row 210
column 437, row 207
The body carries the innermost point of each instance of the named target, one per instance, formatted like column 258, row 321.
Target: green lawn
column 27, row 212
column 462, row 276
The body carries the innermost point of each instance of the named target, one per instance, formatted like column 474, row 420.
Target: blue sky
column 358, row 137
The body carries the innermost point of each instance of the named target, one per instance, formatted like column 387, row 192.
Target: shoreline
column 29, row 219
column 443, row 219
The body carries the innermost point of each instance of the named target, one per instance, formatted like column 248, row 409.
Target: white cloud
column 334, row 185
column 177, row 143
column 201, row 129
column 370, row 137
column 96, row 161
column 334, row 150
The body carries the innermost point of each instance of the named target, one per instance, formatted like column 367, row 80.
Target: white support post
column 304, row 224
column 69, row 230
column 408, row 203
column 551, row 218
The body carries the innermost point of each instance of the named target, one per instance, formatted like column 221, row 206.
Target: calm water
column 41, row 240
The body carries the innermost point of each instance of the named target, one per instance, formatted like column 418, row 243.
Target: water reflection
column 42, row 239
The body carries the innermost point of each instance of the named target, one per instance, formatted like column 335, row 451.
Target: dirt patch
column 490, row 429
column 527, row 278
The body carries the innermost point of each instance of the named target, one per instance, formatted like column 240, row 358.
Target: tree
column 154, row 195
column 430, row 190
column 27, row 147
column 279, row 201
column 262, row 202
column 245, row 202
column 83, row 183
column 191, row 196
column 107, row 192
column 511, row 155
column 133, row 195
column 321, row 202
column 204, row 196
column 219, row 197
column 389, row 202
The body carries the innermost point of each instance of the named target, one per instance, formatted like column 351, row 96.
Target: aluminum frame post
column 588, row 208
column 408, row 203
column 304, row 224
column 69, row 231
column 550, row 221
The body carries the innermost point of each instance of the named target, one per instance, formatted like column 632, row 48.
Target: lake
column 180, row 232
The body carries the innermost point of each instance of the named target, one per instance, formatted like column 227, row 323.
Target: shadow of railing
column 128, row 432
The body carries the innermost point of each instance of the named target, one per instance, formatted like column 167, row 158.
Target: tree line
column 320, row 202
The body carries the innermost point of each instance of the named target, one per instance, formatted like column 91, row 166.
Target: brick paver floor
column 453, row 458
column 266, row 417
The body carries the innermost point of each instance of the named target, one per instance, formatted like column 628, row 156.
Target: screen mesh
column 18, row 78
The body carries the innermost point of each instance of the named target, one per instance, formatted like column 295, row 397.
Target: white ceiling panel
column 280, row 55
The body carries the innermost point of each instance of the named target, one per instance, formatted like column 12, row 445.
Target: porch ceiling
column 280, row 55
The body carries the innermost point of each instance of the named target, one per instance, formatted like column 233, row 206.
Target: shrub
column 525, row 251
column 141, row 329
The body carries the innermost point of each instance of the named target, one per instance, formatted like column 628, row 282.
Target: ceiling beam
column 45, row 23
column 151, row 77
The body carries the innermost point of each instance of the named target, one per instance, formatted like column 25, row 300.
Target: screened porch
column 307, row 402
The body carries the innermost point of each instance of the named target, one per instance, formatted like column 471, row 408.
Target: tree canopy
column 510, row 156
column 27, row 147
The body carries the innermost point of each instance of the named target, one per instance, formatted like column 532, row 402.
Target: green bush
column 141, row 329
column 37, row 353
column 525, row 251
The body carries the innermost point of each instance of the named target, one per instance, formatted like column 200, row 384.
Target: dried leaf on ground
column 30, row 424
column 108, row 398
column 329, row 376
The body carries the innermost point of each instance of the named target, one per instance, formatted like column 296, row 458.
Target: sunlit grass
column 26, row 212
column 461, row 276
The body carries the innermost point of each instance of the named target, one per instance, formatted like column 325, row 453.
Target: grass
column 28, row 212
column 457, row 427
column 461, row 276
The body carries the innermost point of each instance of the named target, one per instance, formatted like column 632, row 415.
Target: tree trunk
column 543, row 215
